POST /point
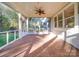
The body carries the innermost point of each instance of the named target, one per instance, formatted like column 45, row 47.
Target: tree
column 8, row 18
column 4, row 23
column 12, row 17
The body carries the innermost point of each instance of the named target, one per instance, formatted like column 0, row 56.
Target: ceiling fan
column 39, row 10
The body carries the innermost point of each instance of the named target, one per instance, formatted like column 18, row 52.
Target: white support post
column 14, row 35
column 20, row 24
column 7, row 37
column 63, row 20
column 76, row 15
column 64, row 28
column 27, row 24
column 52, row 24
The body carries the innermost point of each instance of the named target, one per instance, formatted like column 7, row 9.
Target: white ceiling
column 28, row 8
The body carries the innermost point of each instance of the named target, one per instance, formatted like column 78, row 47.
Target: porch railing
column 8, row 36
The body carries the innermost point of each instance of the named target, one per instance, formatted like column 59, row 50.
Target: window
column 60, row 21
column 70, row 22
column 55, row 20
column 69, row 17
column 69, row 11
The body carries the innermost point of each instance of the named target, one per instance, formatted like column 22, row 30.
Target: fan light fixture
column 39, row 10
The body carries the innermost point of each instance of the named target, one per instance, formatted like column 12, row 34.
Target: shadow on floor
column 49, row 49
column 17, row 46
column 40, row 49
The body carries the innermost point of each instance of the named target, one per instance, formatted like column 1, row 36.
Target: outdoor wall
column 70, row 35
column 73, row 37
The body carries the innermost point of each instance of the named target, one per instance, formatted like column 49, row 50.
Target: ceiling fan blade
column 36, row 10
column 39, row 13
column 36, row 13
column 43, row 13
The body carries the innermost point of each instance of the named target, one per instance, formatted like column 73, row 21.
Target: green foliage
column 37, row 24
column 12, row 17
column 11, row 14
column 8, row 20
column 4, row 24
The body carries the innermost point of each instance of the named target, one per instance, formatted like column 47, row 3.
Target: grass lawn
column 3, row 38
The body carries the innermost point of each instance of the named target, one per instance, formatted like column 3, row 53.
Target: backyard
column 3, row 38
column 8, row 22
